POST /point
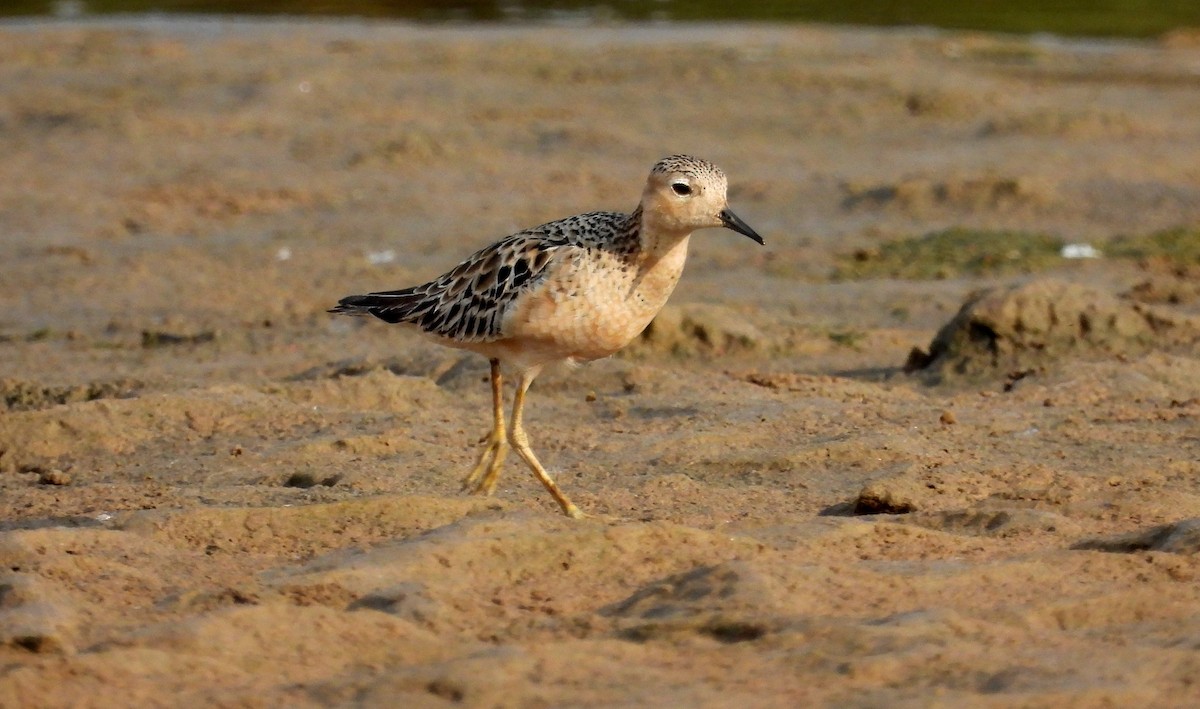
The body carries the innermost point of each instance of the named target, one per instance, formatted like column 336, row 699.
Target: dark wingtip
column 350, row 304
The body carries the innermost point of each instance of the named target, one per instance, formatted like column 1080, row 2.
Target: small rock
column 894, row 495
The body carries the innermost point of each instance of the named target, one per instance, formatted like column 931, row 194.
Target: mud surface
column 213, row 493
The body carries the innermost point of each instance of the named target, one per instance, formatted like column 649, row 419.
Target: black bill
column 734, row 222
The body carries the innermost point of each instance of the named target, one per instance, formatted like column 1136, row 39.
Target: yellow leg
column 520, row 443
column 482, row 479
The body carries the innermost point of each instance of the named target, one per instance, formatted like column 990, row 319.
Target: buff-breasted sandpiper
column 574, row 290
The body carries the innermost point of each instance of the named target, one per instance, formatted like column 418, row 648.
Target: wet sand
column 216, row 494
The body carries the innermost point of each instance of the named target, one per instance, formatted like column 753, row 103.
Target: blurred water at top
column 1116, row 18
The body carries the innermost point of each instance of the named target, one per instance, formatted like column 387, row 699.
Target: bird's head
column 685, row 193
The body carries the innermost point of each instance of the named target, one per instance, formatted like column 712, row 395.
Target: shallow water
column 1078, row 18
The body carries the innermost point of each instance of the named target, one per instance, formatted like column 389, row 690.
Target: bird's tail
column 399, row 306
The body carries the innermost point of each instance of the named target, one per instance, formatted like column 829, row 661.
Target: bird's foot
column 482, row 478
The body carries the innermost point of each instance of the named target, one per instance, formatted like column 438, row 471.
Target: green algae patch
column 1180, row 246
column 953, row 253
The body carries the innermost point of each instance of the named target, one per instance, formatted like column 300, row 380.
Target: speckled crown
column 688, row 165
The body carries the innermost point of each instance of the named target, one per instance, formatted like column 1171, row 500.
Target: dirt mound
column 18, row 395
column 698, row 328
column 1031, row 325
column 1165, row 282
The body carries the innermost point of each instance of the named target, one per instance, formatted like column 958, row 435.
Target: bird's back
column 471, row 303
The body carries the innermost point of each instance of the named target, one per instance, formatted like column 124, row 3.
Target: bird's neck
column 656, row 240
column 659, row 261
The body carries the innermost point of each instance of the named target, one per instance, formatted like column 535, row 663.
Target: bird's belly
column 592, row 314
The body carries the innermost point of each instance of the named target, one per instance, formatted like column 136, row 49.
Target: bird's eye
column 681, row 188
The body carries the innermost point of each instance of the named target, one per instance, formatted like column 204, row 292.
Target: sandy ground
column 216, row 494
